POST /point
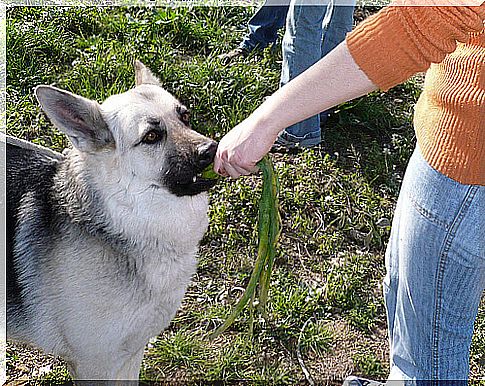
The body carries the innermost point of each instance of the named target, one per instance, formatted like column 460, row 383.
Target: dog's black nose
column 206, row 153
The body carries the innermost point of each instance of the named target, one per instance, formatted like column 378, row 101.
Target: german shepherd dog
column 102, row 239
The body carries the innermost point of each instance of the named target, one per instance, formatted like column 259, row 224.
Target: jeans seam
column 293, row 42
column 427, row 214
column 450, row 236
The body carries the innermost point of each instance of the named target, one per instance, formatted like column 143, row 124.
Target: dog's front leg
column 114, row 369
column 131, row 367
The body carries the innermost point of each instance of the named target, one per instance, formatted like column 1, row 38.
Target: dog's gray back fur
column 100, row 255
column 31, row 170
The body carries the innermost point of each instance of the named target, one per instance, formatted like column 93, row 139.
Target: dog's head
column 144, row 132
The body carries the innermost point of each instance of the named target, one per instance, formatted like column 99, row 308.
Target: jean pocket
column 435, row 196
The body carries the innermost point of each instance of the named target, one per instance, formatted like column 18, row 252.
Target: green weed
column 368, row 364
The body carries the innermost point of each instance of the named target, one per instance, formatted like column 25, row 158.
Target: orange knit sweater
column 449, row 117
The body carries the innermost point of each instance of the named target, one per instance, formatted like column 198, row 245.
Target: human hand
column 242, row 147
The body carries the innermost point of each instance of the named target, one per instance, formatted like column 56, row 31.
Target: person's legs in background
column 263, row 27
column 308, row 27
column 334, row 33
column 263, row 31
column 339, row 25
column 435, row 278
column 302, row 47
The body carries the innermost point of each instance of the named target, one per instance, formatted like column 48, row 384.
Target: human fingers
column 228, row 162
column 242, row 171
column 231, row 171
column 219, row 165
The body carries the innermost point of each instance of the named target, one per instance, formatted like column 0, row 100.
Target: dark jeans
column 264, row 26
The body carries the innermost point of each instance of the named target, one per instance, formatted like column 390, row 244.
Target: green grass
column 336, row 202
column 367, row 363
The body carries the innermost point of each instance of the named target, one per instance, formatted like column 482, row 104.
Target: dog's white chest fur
column 165, row 232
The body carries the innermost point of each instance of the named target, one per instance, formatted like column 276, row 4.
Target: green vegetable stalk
column 209, row 174
column 269, row 225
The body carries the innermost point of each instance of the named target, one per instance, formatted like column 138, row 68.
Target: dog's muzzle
column 189, row 180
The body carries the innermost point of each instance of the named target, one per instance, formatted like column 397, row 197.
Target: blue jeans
column 264, row 26
column 312, row 31
column 435, row 264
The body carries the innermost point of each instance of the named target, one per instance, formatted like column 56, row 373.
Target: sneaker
column 233, row 55
column 356, row 381
column 283, row 145
column 283, row 149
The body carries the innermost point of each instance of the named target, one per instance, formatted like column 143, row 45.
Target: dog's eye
column 185, row 117
column 152, row 137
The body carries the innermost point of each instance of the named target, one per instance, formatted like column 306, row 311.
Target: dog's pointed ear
column 77, row 117
column 143, row 75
